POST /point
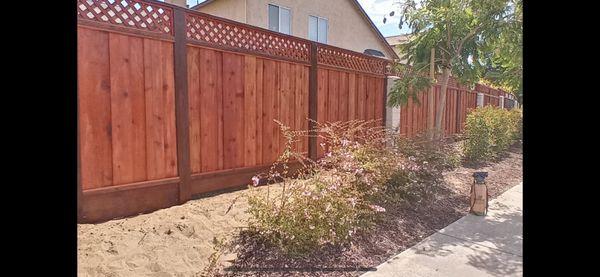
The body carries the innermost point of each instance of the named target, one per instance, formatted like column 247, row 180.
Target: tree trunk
column 431, row 98
column 439, row 130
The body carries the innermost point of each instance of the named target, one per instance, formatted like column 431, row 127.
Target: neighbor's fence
column 174, row 102
column 460, row 100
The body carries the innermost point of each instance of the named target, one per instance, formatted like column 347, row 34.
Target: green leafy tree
column 460, row 31
column 505, row 59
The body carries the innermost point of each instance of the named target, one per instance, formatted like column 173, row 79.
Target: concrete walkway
column 471, row 246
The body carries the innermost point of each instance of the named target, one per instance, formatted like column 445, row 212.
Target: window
column 317, row 29
column 280, row 19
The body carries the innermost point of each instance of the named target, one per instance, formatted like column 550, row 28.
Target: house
column 341, row 23
column 395, row 41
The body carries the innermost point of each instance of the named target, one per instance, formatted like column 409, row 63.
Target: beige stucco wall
column 230, row 9
column 177, row 2
column 347, row 28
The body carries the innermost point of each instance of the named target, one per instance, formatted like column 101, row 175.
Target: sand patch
column 176, row 241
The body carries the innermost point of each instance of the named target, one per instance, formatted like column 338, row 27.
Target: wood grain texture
column 268, row 102
column 343, row 96
column 352, row 97
column 95, row 133
column 195, row 107
column 233, row 110
column 323, row 99
column 259, row 111
column 333, row 96
column 128, row 112
column 209, row 114
column 249, row 111
column 159, row 91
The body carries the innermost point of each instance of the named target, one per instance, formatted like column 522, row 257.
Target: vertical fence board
column 127, row 109
column 284, row 100
column 352, row 97
column 268, row 110
column 195, row 102
column 333, row 95
column 343, row 97
column 323, row 98
column 94, row 109
column 233, row 110
column 160, row 116
column 259, row 111
column 305, row 98
column 210, row 104
column 249, row 137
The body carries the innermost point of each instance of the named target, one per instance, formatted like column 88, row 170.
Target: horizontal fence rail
column 174, row 103
column 460, row 100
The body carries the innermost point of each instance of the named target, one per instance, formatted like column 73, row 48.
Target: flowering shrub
column 328, row 200
column 490, row 131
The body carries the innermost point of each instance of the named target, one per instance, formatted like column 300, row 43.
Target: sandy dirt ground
column 177, row 241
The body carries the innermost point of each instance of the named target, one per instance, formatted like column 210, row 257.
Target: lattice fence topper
column 222, row 33
column 135, row 14
column 338, row 57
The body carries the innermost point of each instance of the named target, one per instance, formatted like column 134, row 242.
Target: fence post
column 312, row 101
column 181, row 104
column 79, row 184
column 480, row 99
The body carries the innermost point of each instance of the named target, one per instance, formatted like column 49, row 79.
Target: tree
column 505, row 63
column 460, row 31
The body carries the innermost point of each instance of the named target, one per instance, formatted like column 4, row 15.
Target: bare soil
column 178, row 241
column 404, row 225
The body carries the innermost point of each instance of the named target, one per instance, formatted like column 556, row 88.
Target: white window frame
column 327, row 29
column 279, row 16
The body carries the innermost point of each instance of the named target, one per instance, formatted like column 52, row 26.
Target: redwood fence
column 173, row 102
column 460, row 100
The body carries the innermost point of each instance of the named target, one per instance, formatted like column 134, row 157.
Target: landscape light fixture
column 479, row 194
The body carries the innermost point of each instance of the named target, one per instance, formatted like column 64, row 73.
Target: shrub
column 329, row 200
column 490, row 131
column 516, row 119
column 439, row 155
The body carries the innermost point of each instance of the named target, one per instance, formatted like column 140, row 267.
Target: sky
column 376, row 9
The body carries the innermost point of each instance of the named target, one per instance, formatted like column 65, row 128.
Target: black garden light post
column 479, row 194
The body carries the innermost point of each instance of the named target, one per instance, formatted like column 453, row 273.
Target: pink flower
column 306, row 193
column 376, row 208
column 255, row 181
column 352, row 201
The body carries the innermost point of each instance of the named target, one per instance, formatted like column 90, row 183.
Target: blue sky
column 376, row 9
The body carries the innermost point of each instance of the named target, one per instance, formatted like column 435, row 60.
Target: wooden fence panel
column 94, row 108
column 127, row 113
column 155, row 90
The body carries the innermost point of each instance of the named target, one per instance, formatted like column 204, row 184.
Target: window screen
column 273, row 18
column 280, row 19
column 317, row 29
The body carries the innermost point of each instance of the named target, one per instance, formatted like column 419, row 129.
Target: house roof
column 357, row 6
column 399, row 39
